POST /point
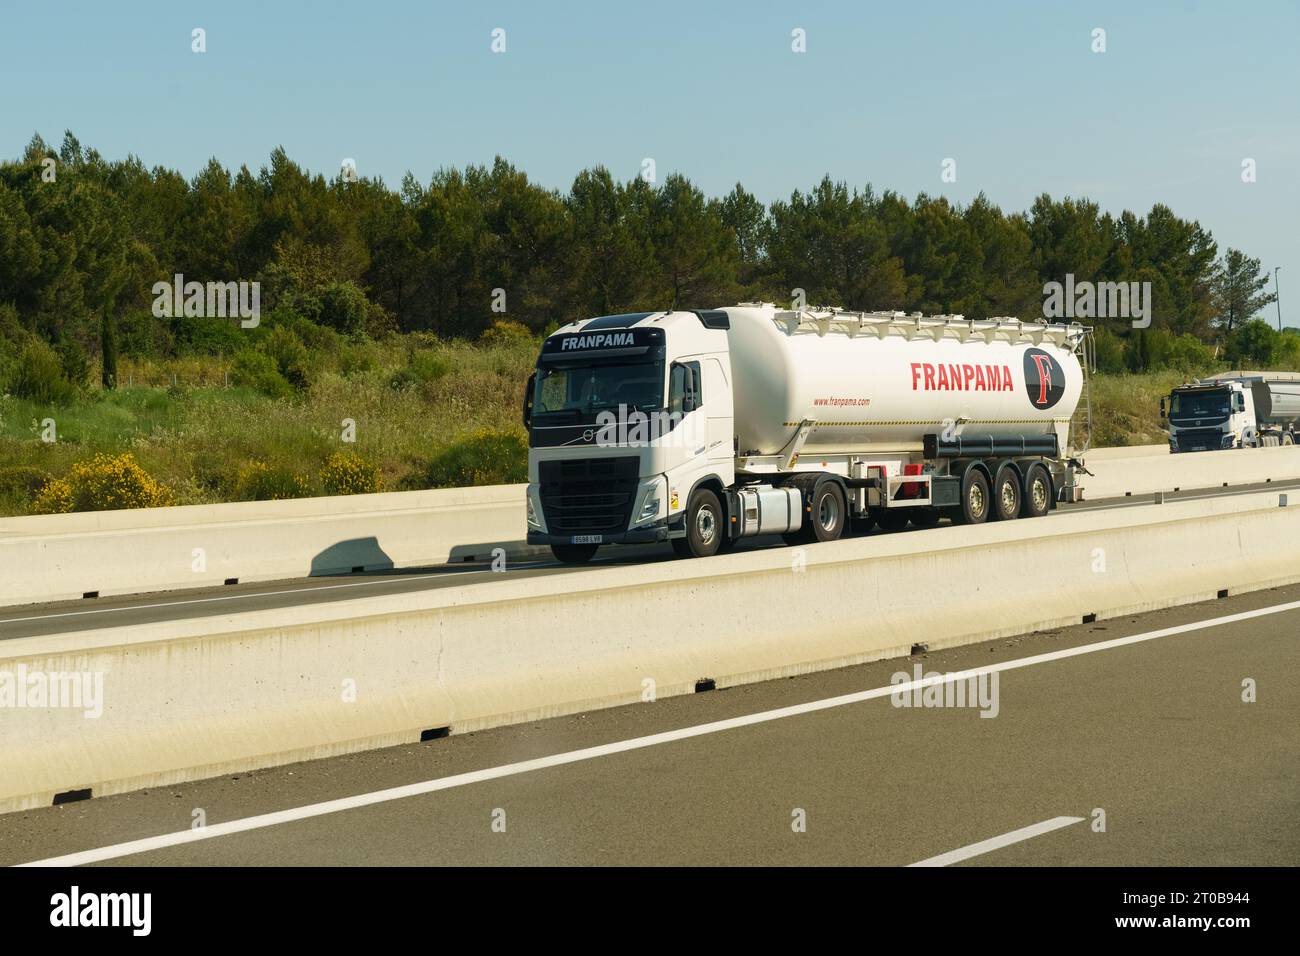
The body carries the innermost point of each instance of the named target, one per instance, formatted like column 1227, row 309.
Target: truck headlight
column 651, row 502
column 1228, row 441
column 1173, row 443
column 534, row 520
column 649, row 510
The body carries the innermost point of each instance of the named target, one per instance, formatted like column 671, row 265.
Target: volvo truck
column 1233, row 410
column 700, row 428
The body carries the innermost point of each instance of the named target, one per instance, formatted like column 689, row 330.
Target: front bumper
column 646, row 534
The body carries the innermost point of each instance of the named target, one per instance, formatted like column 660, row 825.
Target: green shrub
column 340, row 306
column 347, row 473
column 291, row 357
column 486, row 457
column 1187, row 353
column 208, row 336
column 104, row 483
column 1252, row 344
column 421, row 368
column 506, row 333
column 1110, row 351
column 73, row 362
column 258, row 481
column 356, row 359
column 22, row 481
column 38, row 375
column 258, row 371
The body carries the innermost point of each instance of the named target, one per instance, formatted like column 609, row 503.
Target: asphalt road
column 62, row 617
column 1154, row 733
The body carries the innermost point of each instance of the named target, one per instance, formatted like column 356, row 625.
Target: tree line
column 83, row 240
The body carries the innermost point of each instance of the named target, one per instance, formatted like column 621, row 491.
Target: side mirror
column 1162, row 408
column 528, row 399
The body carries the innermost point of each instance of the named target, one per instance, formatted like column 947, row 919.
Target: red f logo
column 1044, row 377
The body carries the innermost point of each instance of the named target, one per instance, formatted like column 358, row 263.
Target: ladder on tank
column 1080, row 437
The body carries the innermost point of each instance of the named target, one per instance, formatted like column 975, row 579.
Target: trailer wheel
column 704, row 530
column 1006, row 495
column 1038, row 493
column 974, row 507
column 1287, row 439
column 923, row 518
column 574, row 553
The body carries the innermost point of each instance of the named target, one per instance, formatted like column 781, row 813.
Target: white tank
column 877, row 379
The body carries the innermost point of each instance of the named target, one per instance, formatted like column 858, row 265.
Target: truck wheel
column 923, row 518
column 1038, row 493
column 573, row 553
column 893, row 520
column 1287, row 439
column 704, row 530
column 1006, row 495
column 974, row 498
column 828, row 512
column 825, row 520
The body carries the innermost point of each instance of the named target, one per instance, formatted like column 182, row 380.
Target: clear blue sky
column 885, row 92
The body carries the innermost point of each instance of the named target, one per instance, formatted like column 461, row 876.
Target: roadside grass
column 424, row 412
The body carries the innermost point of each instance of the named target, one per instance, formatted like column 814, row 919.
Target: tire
column 825, row 519
column 923, row 518
column 704, row 527
column 1036, row 500
column 1287, row 439
column 893, row 520
column 974, row 507
column 1006, row 495
column 574, row 553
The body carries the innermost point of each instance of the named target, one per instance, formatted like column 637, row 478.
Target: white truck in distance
column 704, row 427
column 1233, row 410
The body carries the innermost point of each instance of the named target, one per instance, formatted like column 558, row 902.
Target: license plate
column 586, row 539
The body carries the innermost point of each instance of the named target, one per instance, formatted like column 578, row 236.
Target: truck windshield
column 1199, row 404
column 573, row 393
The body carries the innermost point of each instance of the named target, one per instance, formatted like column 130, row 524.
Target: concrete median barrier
column 1118, row 476
column 60, row 557
column 65, row 557
column 197, row 698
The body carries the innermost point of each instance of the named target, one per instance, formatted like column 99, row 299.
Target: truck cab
column 1210, row 416
column 627, row 416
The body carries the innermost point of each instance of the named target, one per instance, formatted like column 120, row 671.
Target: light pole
column 1277, row 297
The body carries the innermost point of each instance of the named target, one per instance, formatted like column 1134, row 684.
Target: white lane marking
column 998, row 842
column 1099, row 506
column 400, row 579
column 623, row 746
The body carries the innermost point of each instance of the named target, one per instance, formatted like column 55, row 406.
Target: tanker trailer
column 703, row 427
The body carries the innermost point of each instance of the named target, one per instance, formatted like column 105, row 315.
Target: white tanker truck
column 704, row 427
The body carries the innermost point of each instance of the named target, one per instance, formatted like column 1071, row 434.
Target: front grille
column 588, row 495
column 1199, row 439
